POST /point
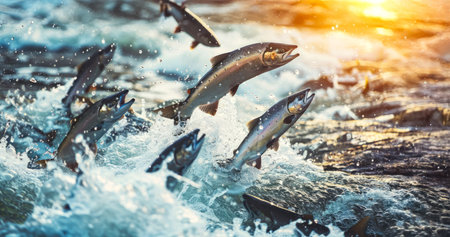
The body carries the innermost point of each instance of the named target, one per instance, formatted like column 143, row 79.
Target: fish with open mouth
column 92, row 124
column 275, row 216
column 229, row 70
column 179, row 156
column 189, row 23
column 265, row 130
column 88, row 71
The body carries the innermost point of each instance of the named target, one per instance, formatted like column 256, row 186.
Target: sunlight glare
column 379, row 12
column 373, row 1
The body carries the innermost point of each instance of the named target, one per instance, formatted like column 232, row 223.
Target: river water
column 374, row 142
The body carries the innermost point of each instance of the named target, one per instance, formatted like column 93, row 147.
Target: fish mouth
column 108, row 52
column 300, row 101
column 191, row 145
column 308, row 99
column 279, row 54
column 115, row 105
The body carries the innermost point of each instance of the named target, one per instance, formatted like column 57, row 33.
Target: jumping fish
column 189, row 23
column 88, row 71
column 265, row 131
column 179, row 156
column 229, row 70
column 275, row 216
column 92, row 124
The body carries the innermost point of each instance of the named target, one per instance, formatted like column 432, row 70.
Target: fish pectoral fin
column 218, row 58
column 190, row 90
column 90, row 89
column 194, row 44
column 170, row 111
column 177, row 30
column 234, row 89
column 252, row 123
column 359, row 228
column 256, row 163
column 274, row 144
column 210, row 108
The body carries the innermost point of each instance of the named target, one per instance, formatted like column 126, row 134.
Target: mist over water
column 381, row 153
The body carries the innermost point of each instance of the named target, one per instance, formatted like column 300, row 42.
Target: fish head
column 275, row 54
column 187, row 149
column 299, row 102
column 106, row 54
column 108, row 111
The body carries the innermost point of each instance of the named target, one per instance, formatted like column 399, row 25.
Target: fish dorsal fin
column 210, row 108
column 234, row 89
column 359, row 229
column 274, row 144
column 218, row 58
column 252, row 123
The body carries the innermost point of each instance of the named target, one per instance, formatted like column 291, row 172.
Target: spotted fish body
column 265, row 131
column 228, row 72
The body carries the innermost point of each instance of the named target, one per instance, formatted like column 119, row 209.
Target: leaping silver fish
column 88, row 71
column 228, row 71
column 189, row 23
column 92, row 124
column 267, row 129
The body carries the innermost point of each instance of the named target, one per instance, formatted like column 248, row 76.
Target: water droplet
column 140, row 51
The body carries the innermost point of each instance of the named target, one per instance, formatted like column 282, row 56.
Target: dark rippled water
column 373, row 143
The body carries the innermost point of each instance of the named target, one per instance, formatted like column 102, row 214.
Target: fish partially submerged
column 265, row 130
column 359, row 229
column 88, row 71
column 275, row 216
column 189, row 23
column 179, row 156
column 229, row 70
column 91, row 125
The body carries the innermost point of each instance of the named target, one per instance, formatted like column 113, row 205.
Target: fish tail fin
column 171, row 111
